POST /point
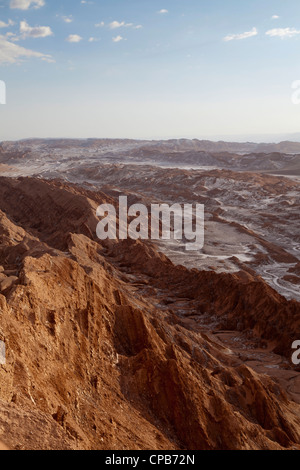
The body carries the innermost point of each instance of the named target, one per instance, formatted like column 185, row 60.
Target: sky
column 150, row 69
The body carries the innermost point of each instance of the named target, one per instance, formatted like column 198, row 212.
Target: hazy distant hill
column 283, row 157
column 162, row 145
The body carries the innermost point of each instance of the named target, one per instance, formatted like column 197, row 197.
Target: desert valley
column 123, row 344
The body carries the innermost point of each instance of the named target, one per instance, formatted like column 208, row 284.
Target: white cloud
column 26, row 4
column 122, row 24
column 116, row 24
column 92, row 39
column 283, row 32
column 74, row 38
column 163, row 11
column 35, row 31
column 246, row 35
column 6, row 25
column 118, row 39
column 11, row 53
column 67, row 19
column 275, row 17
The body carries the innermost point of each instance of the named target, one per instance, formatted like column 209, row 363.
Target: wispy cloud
column 35, row 31
column 163, row 11
column 6, row 25
column 11, row 53
column 118, row 39
column 117, row 24
column 26, row 4
column 74, row 38
column 67, row 19
column 122, row 24
column 238, row 37
column 275, row 17
column 283, row 32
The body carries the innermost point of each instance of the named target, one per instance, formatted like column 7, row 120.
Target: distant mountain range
column 280, row 158
column 163, row 145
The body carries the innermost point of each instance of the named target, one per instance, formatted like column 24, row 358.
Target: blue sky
column 149, row 69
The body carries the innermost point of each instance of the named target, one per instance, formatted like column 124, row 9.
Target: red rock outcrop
column 98, row 355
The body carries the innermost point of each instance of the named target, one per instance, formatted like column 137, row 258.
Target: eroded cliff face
column 111, row 346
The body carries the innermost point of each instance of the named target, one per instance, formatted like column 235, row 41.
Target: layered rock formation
column 112, row 346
